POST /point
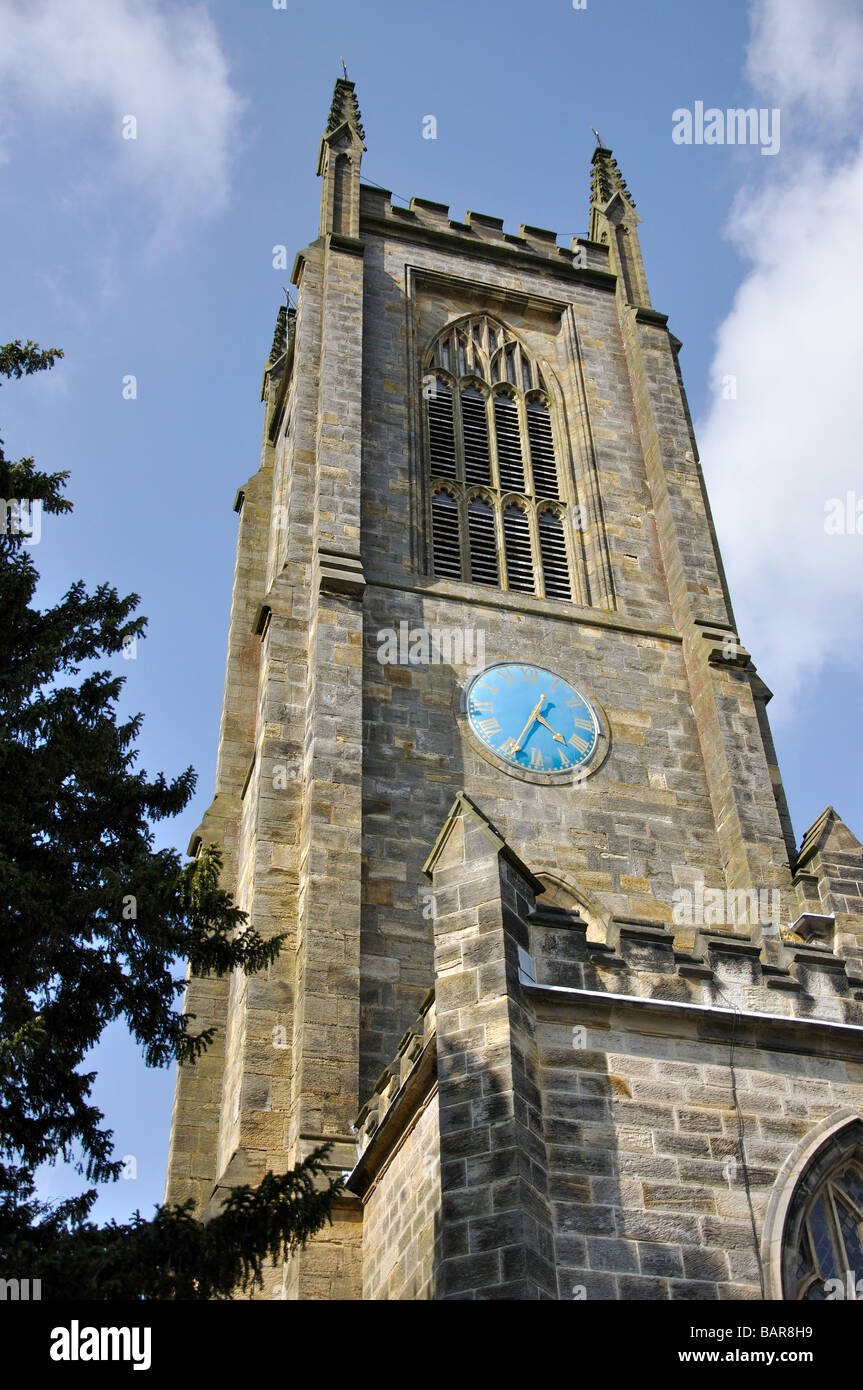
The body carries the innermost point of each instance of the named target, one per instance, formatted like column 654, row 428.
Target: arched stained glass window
column 830, row 1239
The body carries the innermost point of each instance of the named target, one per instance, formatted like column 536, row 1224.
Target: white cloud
column 808, row 53
column 791, row 440
column 90, row 63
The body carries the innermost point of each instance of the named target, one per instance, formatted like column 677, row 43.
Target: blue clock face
column 532, row 719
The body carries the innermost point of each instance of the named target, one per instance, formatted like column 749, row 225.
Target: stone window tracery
column 829, row 1232
column 500, row 514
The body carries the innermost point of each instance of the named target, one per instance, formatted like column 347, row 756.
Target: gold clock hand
column 558, row 738
column 533, row 714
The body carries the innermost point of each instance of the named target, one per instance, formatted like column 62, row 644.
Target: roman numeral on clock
column 488, row 727
column 579, row 743
column 536, row 760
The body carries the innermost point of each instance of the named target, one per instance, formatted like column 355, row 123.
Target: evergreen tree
column 96, row 920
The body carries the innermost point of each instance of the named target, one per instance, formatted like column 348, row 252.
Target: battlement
column 768, row 970
column 425, row 220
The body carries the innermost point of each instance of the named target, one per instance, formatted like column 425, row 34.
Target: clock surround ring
column 579, row 772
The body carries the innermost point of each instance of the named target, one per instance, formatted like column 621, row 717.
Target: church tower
column 573, row 1010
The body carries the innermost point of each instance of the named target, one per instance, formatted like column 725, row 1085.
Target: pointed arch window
column 490, row 426
column 441, row 432
column 541, row 443
column 813, row 1228
column 508, row 434
column 830, row 1238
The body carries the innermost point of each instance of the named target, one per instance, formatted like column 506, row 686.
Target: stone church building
column 577, row 1015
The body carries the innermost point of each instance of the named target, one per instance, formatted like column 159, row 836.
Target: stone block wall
column 619, row 1119
column 642, row 1118
column 401, row 1217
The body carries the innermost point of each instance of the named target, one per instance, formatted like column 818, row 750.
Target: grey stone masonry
column 496, row 1237
column 666, row 912
column 612, row 1115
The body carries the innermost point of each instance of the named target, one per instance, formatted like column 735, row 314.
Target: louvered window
column 474, row 419
column 446, row 539
column 482, row 537
column 490, row 428
column 542, row 460
column 519, row 559
column 552, row 549
column 509, row 458
column 441, row 431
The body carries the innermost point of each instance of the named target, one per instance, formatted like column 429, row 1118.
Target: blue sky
column 154, row 257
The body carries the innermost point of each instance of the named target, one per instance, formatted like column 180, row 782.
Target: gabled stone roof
column 830, row 829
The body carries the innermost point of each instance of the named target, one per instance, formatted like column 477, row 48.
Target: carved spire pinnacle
column 606, row 179
column 614, row 221
column 339, row 161
column 280, row 337
column 345, row 108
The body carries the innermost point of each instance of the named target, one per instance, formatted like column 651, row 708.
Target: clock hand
column 558, row 738
column 533, row 714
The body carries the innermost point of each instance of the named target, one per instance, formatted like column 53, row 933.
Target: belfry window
column 446, row 530
column 517, row 548
column 500, row 514
column 552, row 549
column 441, row 436
column 482, row 543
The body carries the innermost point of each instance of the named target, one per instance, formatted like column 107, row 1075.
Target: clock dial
column 532, row 719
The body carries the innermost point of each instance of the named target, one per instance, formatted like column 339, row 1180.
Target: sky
column 153, row 156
